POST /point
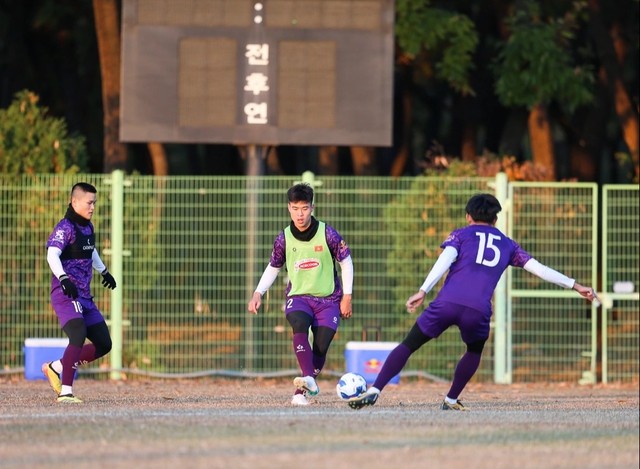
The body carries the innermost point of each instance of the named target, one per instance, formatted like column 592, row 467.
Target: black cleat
column 363, row 400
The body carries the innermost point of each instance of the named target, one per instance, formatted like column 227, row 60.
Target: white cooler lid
column 371, row 345
column 46, row 342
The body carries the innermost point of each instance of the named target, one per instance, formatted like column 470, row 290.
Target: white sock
column 448, row 400
column 57, row 366
column 66, row 390
column 373, row 390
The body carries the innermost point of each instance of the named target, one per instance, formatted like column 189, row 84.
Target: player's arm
column 55, row 264
column 346, row 266
column 268, row 277
column 107, row 279
column 553, row 276
column 445, row 259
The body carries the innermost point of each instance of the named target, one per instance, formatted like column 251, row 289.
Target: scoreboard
column 298, row 72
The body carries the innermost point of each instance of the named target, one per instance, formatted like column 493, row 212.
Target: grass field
column 217, row 423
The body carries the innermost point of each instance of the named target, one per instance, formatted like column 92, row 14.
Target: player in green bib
column 315, row 297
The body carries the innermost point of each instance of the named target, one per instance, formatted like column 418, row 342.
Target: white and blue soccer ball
column 351, row 385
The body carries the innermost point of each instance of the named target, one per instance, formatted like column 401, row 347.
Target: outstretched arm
column 446, row 258
column 268, row 277
column 553, row 276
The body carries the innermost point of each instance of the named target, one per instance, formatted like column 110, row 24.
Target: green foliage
column 453, row 35
column 421, row 218
column 32, row 142
column 535, row 64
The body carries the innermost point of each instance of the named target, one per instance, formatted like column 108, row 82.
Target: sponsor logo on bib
column 306, row 264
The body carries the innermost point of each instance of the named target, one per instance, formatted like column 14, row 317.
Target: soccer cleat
column 299, row 399
column 457, row 406
column 307, row 383
column 69, row 398
column 52, row 377
column 368, row 398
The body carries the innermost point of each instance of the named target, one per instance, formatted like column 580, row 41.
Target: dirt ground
column 218, row 423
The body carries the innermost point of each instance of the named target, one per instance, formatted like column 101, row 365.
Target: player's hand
column 414, row 301
column 108, row 280
column 255, row 302
column 588, row 292
column 345, row 307
column 68, row 287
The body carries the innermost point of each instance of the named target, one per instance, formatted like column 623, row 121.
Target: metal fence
column 619, row 326
column 188, row 251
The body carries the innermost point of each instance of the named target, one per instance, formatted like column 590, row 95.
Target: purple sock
column 303, row 352
column 88, row 354
column 69, row 360
column 318, row 364
column 393, row 365
column 467, row 367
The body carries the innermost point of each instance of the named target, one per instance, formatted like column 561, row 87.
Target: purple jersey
column 484, row 253
column 337, row 246
column 78, row 270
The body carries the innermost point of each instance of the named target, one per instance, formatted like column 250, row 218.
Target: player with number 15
column 475, row 256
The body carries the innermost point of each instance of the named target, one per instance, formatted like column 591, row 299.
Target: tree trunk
column 592, row 134
column 273, row 162
column 513, row 132
column 108, row 34
column 328, row 161
column 623, row 105
column 364, row 161
column 402, row 157
column 158, row 159
column 469, row 142
column 542, row 140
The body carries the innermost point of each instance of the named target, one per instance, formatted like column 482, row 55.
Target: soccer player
column 475, row 256
column 314, row 296
column 71, row 254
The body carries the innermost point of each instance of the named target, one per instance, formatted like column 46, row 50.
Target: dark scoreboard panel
column 306, row 72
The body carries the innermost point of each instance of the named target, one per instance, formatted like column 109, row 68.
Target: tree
column 610, row 51
column 108, row 33
column 32, row 142
column 534, row 67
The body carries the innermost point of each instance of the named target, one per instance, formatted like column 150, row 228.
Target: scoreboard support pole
column 254, row 156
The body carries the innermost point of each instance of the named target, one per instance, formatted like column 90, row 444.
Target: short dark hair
column 302, row 192
column 84, row 187
column 483, row 208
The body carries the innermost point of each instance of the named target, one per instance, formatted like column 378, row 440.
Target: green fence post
column 500, row 296
column 117, row 216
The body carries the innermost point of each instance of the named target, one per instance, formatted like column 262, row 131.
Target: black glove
column 108, row 280
column 68, row 287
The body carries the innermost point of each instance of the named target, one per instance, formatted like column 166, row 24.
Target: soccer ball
column 351, row 385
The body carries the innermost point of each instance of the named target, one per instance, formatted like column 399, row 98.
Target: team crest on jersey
column 59, row 236
column 306, row 264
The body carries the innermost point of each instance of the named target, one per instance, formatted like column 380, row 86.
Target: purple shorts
column 440, row 315
column 67, row 309
column 324, row 313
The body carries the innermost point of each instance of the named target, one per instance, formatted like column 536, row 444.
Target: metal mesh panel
column 621, row 258
column 622, row 335
column 549, row 338
column 549, row 328
column 623, row 243
column 555, row 224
